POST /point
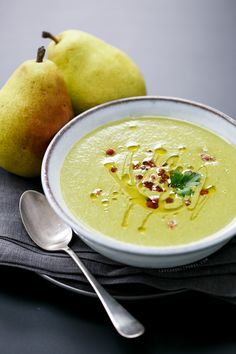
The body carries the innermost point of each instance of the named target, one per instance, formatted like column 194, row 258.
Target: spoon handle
column 125, row 324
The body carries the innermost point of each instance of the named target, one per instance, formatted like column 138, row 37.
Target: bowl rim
column 103, row 240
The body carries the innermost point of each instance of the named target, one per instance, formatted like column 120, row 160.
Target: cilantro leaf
column 183, row 182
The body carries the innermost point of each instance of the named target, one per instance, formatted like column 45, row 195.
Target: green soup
column 152, row 181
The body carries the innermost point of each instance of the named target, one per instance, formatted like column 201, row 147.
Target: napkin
column 214, row 275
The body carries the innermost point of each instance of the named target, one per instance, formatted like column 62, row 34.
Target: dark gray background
column 185, row 48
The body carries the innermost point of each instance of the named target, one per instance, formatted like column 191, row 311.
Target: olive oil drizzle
column 168, row 201
column 202, row 202
column 142, row 227
column 125, row 220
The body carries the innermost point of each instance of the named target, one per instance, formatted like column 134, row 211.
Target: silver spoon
column 49, row 232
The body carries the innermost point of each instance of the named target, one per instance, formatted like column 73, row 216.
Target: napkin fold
column 215, row 275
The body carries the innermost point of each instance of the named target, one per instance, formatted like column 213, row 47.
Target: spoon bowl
column 45, row 228
column 50, row 233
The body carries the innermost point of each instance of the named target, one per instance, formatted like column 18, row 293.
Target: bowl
column 134, row 255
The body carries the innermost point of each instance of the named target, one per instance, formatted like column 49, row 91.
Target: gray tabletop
column 185, row 48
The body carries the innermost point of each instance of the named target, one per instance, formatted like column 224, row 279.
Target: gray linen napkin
column 215, row 275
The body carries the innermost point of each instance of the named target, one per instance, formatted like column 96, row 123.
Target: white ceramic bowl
column 141, row 256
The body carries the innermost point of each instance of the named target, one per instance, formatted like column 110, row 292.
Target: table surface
column 185, row 48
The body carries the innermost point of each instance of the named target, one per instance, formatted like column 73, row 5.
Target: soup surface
column 152, row 181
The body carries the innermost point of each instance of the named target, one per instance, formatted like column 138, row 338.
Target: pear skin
column 95, row 72
column 34, row 105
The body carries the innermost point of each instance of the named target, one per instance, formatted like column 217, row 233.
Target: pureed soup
column 152, row 181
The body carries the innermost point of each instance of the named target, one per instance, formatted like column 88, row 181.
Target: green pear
column 95, row 72
column 34, row 105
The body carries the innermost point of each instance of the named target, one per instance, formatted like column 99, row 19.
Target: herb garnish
column 183, row 182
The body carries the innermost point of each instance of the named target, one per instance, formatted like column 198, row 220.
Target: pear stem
column 40, row 54
column 49, row 35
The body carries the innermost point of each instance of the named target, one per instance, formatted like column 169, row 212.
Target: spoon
column 50, row 233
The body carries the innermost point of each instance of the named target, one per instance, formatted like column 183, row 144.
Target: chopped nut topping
column 149, row 163
column 152, row 203
column 204, row 191
column 206, row 157
column 157, row 189
column 161, row 172
column 187, row 202
column 110, row 152
column 172, row 224
column 97, row 191
column 139, row 177
column 136, row 166
column 148, row 184
column 164, row 176
column 113, row 168
column 169, row 200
